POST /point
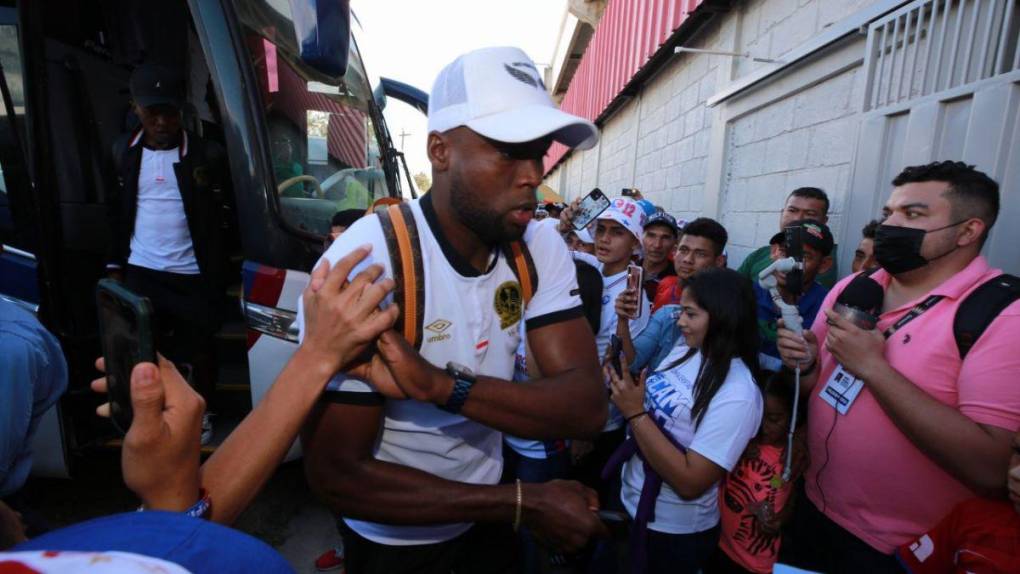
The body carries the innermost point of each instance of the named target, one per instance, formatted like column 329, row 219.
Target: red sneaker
column 332, row 559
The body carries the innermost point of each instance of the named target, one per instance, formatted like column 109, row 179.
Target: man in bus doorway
column 166, row 220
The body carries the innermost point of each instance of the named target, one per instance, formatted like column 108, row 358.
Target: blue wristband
column 200, row 509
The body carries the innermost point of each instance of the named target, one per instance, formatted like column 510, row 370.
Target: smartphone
column 630, row 192
column 590, row 207
column 615, row 348
column 793, row 243
column 125, row 332
column 613, row 516
column 636, row 282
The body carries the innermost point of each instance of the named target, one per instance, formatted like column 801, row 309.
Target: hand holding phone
column 125, row 331
column 635, row 282
column 590, row 207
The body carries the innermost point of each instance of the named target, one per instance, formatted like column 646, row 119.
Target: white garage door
column 943, row 83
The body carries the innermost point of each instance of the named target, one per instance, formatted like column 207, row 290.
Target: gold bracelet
column 520, row 504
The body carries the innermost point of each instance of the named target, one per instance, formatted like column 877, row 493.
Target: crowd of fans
column 560, row 417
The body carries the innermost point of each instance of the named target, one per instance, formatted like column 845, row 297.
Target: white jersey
column 470, row 318
column 730, row 422
column 161, row 238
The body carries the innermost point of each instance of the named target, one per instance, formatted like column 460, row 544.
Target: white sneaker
column 207, row 428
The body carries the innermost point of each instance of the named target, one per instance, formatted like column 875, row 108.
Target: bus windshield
column 326, row 150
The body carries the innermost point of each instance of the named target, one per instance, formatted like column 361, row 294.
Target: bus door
column 305, row 139
column 19, row 280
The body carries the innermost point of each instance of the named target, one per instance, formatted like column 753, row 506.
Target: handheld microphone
column 793, row 242
column 792, row 321
column 767, row 280
column 861, row 302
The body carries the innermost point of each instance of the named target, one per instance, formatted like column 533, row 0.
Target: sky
column 411, row 40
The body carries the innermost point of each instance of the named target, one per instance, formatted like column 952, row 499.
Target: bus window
column 10, row 156
column 324, row 143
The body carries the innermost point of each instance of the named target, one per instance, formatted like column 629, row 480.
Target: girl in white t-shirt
column 688, row 424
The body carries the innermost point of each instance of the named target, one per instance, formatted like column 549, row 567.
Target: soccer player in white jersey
column 415, row 478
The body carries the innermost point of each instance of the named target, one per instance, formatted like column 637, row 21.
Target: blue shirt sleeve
column 33, row 375
column 811, row 303
column 647, row 344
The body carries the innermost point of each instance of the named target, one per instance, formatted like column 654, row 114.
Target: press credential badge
column 841, row 390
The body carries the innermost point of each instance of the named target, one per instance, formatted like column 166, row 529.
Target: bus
column 280, row 84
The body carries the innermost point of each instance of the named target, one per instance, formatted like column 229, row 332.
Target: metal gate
column 943, row 83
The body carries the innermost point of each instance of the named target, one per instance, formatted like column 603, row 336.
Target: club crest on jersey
column 508, row 303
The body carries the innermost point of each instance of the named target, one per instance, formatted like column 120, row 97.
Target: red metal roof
column 628, row 34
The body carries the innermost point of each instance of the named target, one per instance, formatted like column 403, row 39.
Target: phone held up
column 635, row 282
column 793, row 244
column 590, row 207
column 125, row 332
column 615, row 348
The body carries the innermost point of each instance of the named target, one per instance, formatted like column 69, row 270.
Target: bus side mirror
column 323, row 29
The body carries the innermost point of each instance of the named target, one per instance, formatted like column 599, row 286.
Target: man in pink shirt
column 918, row 429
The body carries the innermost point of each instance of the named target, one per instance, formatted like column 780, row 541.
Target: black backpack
column 981, row 307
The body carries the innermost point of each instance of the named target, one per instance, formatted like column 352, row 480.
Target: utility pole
column 403, row 134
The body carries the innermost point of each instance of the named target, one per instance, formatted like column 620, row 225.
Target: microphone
column 861, row 302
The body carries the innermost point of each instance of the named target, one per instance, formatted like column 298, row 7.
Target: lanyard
column 914, row 313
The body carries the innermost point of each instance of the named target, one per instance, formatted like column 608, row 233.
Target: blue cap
column 195, row 544
column 648, row 206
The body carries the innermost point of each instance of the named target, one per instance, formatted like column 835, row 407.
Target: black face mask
column 898, row 249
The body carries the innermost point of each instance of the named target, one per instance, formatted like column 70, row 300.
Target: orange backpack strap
column 402, row 242
column 519, row 258
column 383, row 202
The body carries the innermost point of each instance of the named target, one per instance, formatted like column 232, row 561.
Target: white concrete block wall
column 660, row 141
column 805, row 140
column 771, row 28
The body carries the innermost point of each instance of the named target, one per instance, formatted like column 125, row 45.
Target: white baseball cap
column 498, row 93
column 627, row 213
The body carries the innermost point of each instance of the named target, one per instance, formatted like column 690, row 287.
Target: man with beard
column 904, row 422
column 407, row 446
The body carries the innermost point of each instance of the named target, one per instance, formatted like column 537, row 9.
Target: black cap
column 816, row 234
column 153, row 84
column 663, row 218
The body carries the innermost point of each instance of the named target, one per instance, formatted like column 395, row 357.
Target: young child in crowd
column 688, row 424
column 755, row 500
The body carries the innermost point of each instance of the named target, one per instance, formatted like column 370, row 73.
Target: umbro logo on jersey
column 439, row 327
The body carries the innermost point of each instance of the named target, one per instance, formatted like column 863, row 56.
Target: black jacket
column 200, row 177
